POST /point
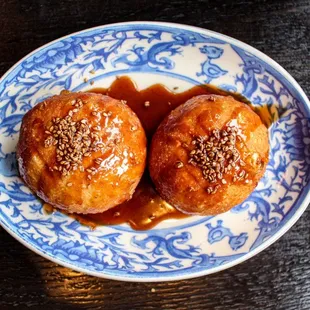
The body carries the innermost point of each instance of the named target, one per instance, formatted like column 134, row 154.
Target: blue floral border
column 203, row 262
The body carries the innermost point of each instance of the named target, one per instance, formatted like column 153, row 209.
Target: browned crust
column 186, row 188
column 109, row 187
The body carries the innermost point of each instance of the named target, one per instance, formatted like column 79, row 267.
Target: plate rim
column 290, row 222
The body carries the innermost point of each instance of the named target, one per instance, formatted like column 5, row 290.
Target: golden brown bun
column 178, row 176
column 113, row 154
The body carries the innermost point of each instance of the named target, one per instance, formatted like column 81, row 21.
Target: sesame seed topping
column 91, row 82
column 69, row 184
column 73, row 141
column 92, row 71
column 217, row 156
column 147, row 104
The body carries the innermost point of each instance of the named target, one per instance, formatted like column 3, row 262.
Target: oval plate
column 173, row 55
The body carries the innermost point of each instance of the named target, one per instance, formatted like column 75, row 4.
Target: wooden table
column 279, row 277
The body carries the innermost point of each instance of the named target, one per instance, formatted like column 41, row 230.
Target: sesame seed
column 85, row 80
column 217, row 155
column 241, row 174
column 133, row 128
column 92, row 71
column 48, row 141
column 209, row 190
column 179, row 164
column 98, row 161
column 69, row 184
column 147, row 104
column 242, row 163
column 123, row 101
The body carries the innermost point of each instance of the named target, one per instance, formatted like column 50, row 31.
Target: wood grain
column 278, row 278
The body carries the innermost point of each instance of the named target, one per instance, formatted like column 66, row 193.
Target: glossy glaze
column 73, row 145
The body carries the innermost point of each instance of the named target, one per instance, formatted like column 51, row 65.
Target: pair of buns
column 86, row 153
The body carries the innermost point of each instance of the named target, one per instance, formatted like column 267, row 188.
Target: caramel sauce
column 143, row 211
column 146, row 208
column 155, row 102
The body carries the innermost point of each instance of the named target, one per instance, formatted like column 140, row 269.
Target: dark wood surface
column 279, row 277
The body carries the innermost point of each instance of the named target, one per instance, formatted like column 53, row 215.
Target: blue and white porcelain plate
column 172, row 55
